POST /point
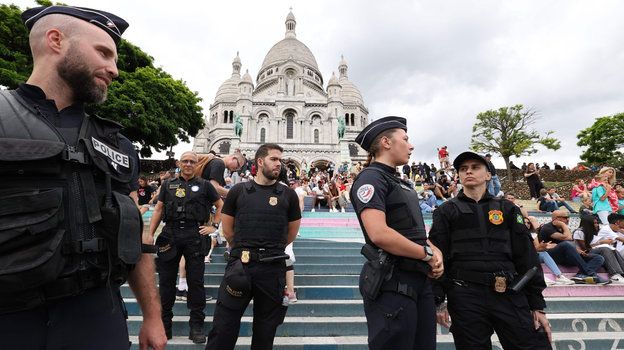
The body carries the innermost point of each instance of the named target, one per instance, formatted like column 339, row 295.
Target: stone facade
column 288, row 106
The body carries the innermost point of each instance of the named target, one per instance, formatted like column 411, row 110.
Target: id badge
column 500, row 285
column 245, row 256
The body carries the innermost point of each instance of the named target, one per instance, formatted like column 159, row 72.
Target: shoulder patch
column 365, row 193
column 519, row 219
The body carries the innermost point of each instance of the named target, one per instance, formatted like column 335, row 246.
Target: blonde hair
column 600, row 177
column 374, row 147
column 612, row 178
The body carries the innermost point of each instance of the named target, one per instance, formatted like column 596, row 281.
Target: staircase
column 329, row 314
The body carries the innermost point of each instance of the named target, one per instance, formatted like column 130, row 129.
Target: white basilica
column 288, row 106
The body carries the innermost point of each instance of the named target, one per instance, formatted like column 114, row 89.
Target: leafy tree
column 603, row 139
column 507, row 132
column 155, row 109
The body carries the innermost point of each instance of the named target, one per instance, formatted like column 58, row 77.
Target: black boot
column 197, row 335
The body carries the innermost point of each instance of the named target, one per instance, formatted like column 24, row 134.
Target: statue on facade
column 341, row 127
column 238, row 125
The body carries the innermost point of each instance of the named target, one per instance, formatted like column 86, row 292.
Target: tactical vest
column 403, row 213
column 261, row 219
column 186, row 200
column 66, row 221
column 490, row 239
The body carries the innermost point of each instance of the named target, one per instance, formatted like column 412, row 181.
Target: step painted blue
column 304, row 269
column 308, row 280
column 303, row 248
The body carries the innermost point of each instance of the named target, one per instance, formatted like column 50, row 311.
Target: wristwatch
column 215, row 225
column 429, row 253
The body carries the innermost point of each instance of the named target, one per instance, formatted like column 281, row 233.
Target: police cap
column 166, row 248
column 110, row 23
column 237, row 282
column 470, row 155
column 366, row 137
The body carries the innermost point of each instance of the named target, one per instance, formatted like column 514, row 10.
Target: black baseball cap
column 470, row 155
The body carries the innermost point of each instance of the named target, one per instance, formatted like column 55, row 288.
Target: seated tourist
column 587, row 239
column 552, row 195
column 565, row 253
column 586, row 206
column 320, row 195
column 544, row 204
column 579, row 190
column 428, row 200
column 614, row 230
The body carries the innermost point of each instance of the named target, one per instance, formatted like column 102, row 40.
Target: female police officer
column 398, row 300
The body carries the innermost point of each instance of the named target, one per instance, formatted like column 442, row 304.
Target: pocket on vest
column 30, row 238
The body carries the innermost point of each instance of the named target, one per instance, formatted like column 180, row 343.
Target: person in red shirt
column 443, row 156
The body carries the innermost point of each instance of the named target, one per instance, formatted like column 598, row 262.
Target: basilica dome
column 289, row 48
column 229, row 89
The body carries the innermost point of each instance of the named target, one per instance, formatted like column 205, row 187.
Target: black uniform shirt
column 214, row 170
column 192, row 185
column 370, row 189
column 523, row 252
column 69, row 120
column 229, row 205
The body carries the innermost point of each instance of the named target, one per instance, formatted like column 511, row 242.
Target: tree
column 603, row 140
column 155, row 109
column 506, row 132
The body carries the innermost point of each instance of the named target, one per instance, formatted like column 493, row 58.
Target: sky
column 437, row 63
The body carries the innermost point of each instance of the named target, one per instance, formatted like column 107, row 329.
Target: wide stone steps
column 330, row 315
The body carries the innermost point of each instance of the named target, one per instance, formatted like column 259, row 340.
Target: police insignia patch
column 273, row 201
column 180, row 193
column 195, row 188
column 365, row 193
column 496, row 217
column 520, row 219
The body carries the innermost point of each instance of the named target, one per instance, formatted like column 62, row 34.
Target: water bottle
column 285, row 300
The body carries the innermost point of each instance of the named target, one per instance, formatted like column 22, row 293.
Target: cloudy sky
column 438, row 63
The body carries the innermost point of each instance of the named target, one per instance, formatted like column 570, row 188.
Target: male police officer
column 487, row 250
column 70, row 232
column 184, row 204
column 260, row 218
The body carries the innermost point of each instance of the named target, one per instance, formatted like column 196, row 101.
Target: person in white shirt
column 614, row 231
column 589, row 239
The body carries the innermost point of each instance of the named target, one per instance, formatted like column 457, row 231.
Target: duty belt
column 183, row 223
column 499, row 280
column 258, row 254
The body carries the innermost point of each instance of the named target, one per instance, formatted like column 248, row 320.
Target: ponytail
column 369, row 160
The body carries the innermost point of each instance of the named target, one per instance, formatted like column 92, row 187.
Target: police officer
column 487, row 251
column 398, row 300
column 184, row 204
column 71, row 234
column 260, row 218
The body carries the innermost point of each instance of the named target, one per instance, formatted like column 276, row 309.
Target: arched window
column 289, row 125
column 316, row 136
column 352, row 119
column 231, row 117
column 225, row 116
column 347, row 119
column 262, row 135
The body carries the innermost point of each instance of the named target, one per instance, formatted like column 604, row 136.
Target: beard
column 268, row 173
column 76, row 74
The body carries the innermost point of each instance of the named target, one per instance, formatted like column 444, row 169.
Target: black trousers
column 86, row 321
column 477, row 311
column 267, row 290
column 397, row 321
column 188, row 244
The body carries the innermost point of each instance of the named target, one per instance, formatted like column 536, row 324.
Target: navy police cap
column 110, row 23
column 470, row 155
column 366, row 137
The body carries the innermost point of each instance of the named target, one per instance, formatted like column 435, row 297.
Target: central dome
column 289, row 48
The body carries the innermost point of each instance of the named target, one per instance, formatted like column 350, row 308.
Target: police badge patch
column 496, row 217
column 180, row 193
column 273, row 201
column 365, row 193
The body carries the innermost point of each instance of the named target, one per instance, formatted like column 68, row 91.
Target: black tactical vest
column 186, row 200
column 403, row 213
column 480, row 236
column 261, row 219
column 66, row 221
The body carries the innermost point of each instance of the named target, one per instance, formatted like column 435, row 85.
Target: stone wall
column 521, row 189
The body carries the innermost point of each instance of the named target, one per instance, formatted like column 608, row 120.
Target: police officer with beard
column 494, row 280
column 260, row 218
column 71, row 234
column 398, row 300
column 184, row 204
